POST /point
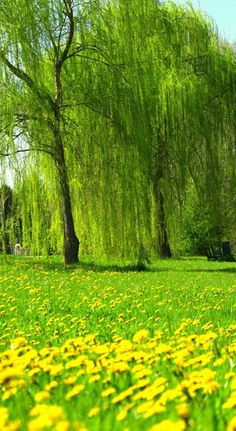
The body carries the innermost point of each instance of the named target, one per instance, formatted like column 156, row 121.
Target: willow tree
column 170, row 109
column 35, row 58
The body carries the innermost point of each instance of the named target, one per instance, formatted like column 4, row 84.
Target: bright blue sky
column 223, row 12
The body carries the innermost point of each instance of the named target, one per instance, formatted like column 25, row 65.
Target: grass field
column 105, row 348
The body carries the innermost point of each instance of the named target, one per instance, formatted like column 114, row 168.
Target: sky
column 223, row 12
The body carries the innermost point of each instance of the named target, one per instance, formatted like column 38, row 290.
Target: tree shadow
column 231, row 270
column 51, row 264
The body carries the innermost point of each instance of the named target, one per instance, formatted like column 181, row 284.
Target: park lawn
column 109, row 348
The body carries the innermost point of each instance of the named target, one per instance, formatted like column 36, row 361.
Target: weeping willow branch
column 27, row 150
column 23, row 76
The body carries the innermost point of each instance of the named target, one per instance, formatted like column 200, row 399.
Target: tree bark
column 164, row 245
column 71, row 242
column 159, row 164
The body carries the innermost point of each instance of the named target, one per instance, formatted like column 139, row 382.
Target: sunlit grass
column 109, row 348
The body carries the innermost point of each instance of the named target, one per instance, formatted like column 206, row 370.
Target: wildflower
column 140, row 335
column 123, row 395
column 94, row 378
column 42, row 396
column 39, row 423
column 232, row 424
column 8, row 394
column 123, row 412
column 62, row 426
column 56, row 370
column 218, row 362
column 18, row 342
column 119, row 367
column 52, row 411
column 142, row 383
column 142, row 408
column 51, row 385
column 7, row 374
column 75, row 391
column 34, row 371
column 13, row 426
column 183, row 410
column 108, row 392
column 168, row 425
column 93, row 412
column 3, row 416
column 231, row 402
column 155, row 409
column 70, row 380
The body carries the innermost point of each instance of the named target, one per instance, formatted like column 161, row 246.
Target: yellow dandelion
column 169, row 425
column 40, row 423
column 56, row 370
column 119, row 367
column 70, row 380
column 9, row 373
column 41, row 396
column 122, row 395
column 18, row 342
column 93, row 412
column 121, row 415
column 232, row 424
column 13, row 426
column 142, row 383
column 34, row 371
column 4, row 413
column 142, row 408
column 183, row 410
column 211, row 387
column 218, row 362
column 94, row 378
column 230, row 375
column 140, row 335
column 231, row 402
column 51, row 385
column 155, row 409
column 108, row 392
column 75, row 391
column 62, row 426
column 51, row 411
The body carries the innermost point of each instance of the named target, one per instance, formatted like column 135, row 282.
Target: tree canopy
column 119, row 118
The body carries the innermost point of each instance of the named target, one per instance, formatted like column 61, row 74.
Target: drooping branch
column 23, row 76
column 27, row 150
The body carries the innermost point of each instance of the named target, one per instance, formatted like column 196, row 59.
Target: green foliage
column 148, row 108
column 199, row 229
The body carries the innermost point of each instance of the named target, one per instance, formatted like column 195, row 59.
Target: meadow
column 109, row 348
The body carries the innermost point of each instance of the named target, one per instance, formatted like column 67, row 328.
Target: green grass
column 91, row 313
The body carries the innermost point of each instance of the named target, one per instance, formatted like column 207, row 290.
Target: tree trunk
column 160, row 160
column 164, row 245
column 71, row 242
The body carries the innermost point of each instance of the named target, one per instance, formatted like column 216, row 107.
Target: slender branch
column 69, row 13
column 27, row 150
column 23, row 76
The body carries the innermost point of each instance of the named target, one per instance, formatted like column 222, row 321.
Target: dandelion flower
column 93, row 412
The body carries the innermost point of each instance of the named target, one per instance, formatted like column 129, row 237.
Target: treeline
column 118, row 118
